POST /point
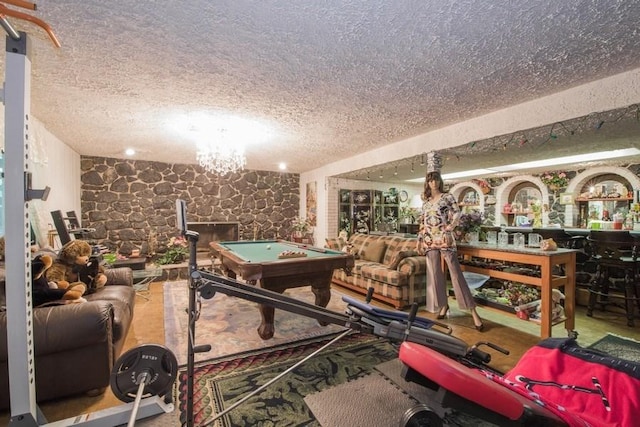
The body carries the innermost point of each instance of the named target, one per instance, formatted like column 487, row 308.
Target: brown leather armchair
column 75, row 345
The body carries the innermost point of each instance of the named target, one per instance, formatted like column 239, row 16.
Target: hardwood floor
column 504, row 330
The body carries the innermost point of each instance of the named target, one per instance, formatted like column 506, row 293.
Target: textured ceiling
column 330, row 78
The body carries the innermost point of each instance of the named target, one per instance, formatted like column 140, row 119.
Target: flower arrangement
column 483, row 184
column 409, row 213
column 177, row 251
column 300, row 224
column 471, row 221
column 555, row 179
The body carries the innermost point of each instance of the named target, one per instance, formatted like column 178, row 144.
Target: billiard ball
column 268, row 246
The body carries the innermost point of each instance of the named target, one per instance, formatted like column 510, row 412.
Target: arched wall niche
column 461, row 187
column 504, row 190
column 581, row 179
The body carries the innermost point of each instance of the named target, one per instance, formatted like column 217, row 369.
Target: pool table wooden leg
column 323, row 295
column 320, row 283
column 267, row 328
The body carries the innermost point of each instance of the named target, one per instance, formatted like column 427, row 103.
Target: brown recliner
column 75, row 345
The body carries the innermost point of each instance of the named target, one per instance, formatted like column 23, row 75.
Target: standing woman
column 439, row 217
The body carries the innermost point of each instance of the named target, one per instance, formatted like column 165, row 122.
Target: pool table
column 258, row 262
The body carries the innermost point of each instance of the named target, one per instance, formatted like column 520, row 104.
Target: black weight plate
column 156, row 361
column 420, row 416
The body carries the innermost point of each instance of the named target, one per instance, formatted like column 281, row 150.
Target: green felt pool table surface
column 269, row 250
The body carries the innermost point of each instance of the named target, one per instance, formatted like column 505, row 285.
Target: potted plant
column 300, row 227
column 555, row 180
column 408, row 214
column 177, row 251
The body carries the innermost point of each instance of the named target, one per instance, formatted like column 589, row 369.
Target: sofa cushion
column 374, row 252
column 382, row 273
column 358, row 264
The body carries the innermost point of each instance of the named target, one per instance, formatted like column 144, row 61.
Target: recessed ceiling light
column 282, row 166
column 130, row 152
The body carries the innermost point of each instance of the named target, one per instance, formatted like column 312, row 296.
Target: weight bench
column 555, row 383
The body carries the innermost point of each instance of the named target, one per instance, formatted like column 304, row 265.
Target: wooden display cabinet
column 363, row 211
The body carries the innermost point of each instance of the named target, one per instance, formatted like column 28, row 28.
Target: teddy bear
column 548, row 245
column 43, row 291
column 351, row 250
column 76, row 266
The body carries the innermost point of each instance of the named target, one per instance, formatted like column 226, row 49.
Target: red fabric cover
column 457, row 378
column 584, row 388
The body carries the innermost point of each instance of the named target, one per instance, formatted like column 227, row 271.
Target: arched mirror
column 604, row 198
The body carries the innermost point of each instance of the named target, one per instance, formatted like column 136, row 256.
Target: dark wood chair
column 617, row 274
column 69, row 226
column 566, row 240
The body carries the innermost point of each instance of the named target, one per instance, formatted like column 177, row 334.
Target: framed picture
column 566, row 199
column 312, row 202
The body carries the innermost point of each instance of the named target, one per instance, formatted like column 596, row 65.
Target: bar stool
column 614, row 251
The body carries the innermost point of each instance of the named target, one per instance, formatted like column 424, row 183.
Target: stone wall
column 131, row 203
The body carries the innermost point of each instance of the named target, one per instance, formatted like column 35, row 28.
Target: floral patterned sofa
column 389, row 264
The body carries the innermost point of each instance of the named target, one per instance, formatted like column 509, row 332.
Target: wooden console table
column 547, row 281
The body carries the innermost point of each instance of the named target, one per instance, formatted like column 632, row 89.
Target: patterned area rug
column 230, row 324
column 618, row 346
column 221, row 382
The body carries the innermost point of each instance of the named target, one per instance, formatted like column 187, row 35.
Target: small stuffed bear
column 44, row 292
column 351, row 250
column 548, row 245
column 74, row 265
column 557, row 310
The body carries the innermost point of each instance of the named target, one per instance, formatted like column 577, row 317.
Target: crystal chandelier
column 221, row 159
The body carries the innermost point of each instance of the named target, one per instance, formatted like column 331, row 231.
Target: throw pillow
column 400, row 256
column 374, row 252
column 335, row 243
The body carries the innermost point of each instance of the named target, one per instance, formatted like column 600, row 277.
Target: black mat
column 618, row 346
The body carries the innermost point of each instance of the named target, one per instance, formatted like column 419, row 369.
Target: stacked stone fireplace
column 214, row 232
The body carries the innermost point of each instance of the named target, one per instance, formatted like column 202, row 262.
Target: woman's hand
column 420, row 245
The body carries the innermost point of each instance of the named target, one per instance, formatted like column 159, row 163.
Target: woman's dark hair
column 432, row 176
